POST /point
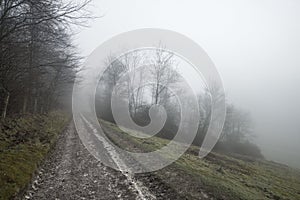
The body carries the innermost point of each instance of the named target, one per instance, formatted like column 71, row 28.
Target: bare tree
column 238, row 125
column 36, row 55
column 163, row 74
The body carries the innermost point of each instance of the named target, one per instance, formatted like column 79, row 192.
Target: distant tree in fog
column 163, row 74
column 238, row 125
column 147, row 86
column 143, row 78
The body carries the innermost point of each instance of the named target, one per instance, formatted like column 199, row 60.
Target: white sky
column 255, row 44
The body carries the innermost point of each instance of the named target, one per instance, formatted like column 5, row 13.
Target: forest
column 38, row 59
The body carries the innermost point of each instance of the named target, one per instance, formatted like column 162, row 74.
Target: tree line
column 148, row 86
column 38, row 61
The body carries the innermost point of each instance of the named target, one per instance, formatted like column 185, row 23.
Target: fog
column 254, row 44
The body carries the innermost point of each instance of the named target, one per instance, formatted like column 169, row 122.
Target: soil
column 71, row 172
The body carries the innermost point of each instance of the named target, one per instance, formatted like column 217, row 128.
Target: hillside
column 217, row 176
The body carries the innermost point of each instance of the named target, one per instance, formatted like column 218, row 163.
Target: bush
column 243, row 148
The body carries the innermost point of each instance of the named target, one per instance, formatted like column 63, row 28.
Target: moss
column 24, row 142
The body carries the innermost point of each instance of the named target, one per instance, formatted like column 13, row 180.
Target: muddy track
column 71, row 172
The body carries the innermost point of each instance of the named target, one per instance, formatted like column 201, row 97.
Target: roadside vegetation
column 218, row 175
column 24, row 142
column 38, row 64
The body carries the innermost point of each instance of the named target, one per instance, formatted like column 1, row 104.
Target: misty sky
column 255, row 45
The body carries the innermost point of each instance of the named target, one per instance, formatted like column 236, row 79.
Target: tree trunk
column 42, row 110
column 5, row 105
column 25, row 104
column 35, row 105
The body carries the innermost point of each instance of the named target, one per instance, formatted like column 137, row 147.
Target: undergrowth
column 24, row 143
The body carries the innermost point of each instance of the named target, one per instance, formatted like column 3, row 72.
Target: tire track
column 71, row 172
column 142, row 191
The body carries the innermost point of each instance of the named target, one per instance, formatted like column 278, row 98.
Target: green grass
column 220, row 176
column 24, row 143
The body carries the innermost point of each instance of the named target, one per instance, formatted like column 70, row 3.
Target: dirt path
column 71, row 172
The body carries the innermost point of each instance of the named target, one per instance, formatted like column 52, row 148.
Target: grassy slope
column 24, row 142
column 220, row 176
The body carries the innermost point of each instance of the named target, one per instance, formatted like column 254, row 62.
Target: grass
column 217, row 175
column 24, row 143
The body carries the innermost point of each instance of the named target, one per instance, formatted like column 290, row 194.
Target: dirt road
column 71, row 172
